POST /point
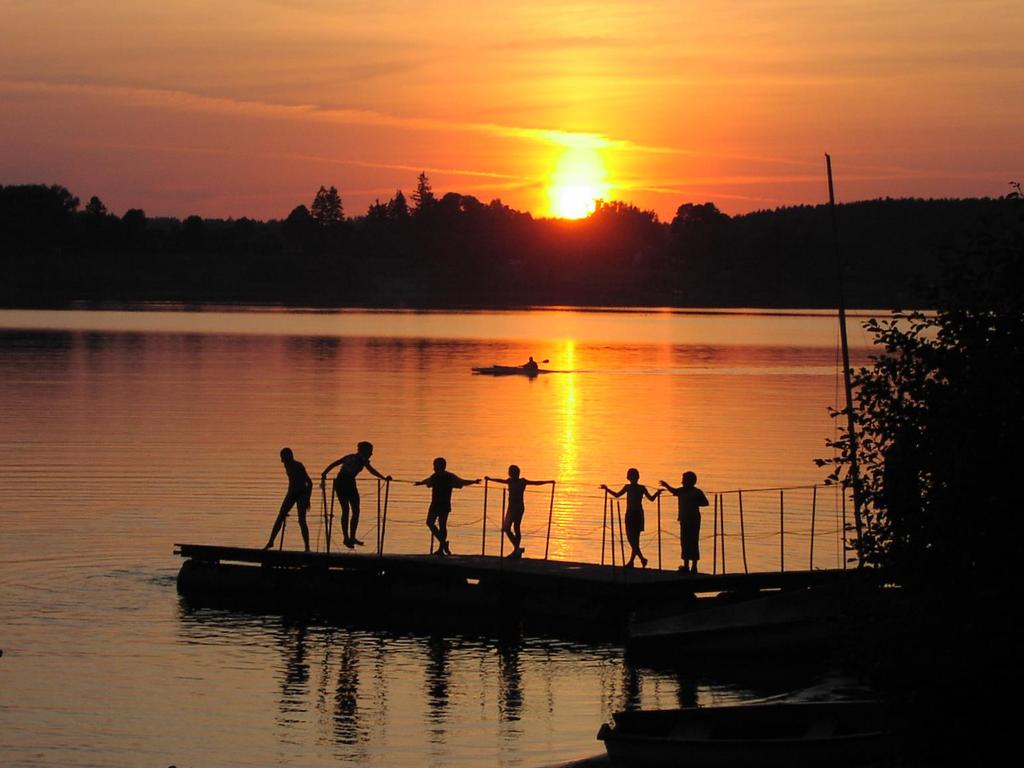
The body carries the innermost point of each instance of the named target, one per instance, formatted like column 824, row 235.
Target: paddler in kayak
column 531, row 367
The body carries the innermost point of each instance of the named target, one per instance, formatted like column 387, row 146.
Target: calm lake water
column 125, row 432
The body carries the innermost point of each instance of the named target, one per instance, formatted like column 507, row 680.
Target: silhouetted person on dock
column 511, row 526
column 347, row 490
column 635, row 494
column 300, row 487
column 691, row 499
column 441, row 484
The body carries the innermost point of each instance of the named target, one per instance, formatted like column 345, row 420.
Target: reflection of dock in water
column 461, row 591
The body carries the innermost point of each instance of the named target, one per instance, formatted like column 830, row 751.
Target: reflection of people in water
column 438, row 675
column 441, row 484
column 295, row 680
column 510, row 681
column 635, row 494
column 347, row 728
column 531, row 367
column 346, row 489
column 511, row 525
column 300, row 487
column 691, row 499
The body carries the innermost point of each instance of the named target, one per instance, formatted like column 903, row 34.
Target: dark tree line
column 456, row 250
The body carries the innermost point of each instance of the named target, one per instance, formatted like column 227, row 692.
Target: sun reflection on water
column 568, row 457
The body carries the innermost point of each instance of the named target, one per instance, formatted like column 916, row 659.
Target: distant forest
column 456, row 251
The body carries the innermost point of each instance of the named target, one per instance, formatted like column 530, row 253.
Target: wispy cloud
column 501, row 179
column 559, row 43
column 181, row 100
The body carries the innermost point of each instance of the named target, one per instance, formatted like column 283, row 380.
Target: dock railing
column 764, row 529
column 792, row 517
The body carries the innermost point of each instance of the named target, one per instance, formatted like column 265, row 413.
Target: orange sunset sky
column 245, row 108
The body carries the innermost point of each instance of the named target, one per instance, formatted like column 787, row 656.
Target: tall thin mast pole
column 854, row 474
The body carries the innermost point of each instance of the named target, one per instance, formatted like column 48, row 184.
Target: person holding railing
column 300, row 487
column 441, row 484
column 635, row 494
column 691, row 499
column 511, row 526
column 347, row 491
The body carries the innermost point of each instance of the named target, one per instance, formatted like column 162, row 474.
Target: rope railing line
column 666, row 531
column 419, row 520
column 595, row 496
column 767, row 490
column 407, row 520
column 530, row 532
column 675, row 536
column 763, row 536
column 818, row 533
column 536, row 489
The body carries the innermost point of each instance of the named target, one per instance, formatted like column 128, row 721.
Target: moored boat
column 777, row 734
column 788, row 621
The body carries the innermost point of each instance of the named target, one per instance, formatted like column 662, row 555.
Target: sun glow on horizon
column 577, row 183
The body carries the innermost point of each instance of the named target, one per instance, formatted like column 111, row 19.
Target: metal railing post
column 622, row 538
column 551, row 513
column 659, row 531
column 714, row 538
column 483, row 535
column 814, row 509
column 721, row 514
column 604, row 524
column 384, row 518
column 501, row 526
column 743, row 533
column 782, row 532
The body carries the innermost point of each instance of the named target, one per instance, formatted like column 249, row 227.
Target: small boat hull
column 509, row 370
column 783, row 734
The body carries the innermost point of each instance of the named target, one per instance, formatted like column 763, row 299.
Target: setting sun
column 578, row 181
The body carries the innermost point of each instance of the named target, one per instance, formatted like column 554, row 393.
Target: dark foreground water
column 125, row 432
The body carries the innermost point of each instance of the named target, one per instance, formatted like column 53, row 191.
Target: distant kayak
column 510, row 370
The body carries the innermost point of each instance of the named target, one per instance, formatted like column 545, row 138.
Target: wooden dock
column 460, row 590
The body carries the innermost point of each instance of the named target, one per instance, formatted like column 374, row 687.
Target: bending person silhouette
column 511, row 526
column 635, row 494
column 691, row 499
column 441, row 484
column 346, row 489
column 300, row 487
